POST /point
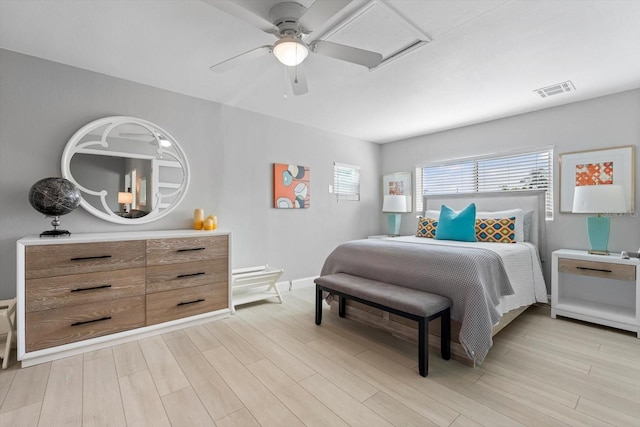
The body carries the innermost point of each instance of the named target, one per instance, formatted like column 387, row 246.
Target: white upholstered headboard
column 499, row 201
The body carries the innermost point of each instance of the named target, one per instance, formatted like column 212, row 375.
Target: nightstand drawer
column 604, row 270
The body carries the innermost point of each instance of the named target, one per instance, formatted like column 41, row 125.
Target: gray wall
column 609, row 121
column 230, row 151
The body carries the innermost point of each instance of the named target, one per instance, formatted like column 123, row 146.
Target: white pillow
column 528, row 222
column 518, row 213
column 431, row 214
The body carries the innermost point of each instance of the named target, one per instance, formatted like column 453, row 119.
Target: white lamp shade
column 395, row 203
column 608, row 198
column 125, row 197
column 290, row 51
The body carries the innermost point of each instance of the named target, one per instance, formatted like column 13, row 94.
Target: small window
column 346, row 182
column 523, row 171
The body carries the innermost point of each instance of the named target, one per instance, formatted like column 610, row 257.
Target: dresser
column 88, row 291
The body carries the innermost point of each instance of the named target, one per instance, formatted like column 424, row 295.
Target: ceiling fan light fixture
column 290, row 51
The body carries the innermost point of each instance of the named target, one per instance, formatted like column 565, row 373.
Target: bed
column 489, row 283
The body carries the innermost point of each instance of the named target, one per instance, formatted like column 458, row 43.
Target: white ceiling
column 484, row 62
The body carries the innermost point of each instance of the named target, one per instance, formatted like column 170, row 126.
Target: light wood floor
column 270, row 365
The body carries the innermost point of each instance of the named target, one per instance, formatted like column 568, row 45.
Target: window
column 521, row 171
column 346, row 182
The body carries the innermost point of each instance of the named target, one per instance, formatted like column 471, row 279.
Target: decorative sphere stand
column 55, row 232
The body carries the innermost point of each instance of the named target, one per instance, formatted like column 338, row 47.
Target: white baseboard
column 305, row 282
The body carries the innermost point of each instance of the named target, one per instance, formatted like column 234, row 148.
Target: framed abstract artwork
column 291, row 188
column 398, row 183
column 597, row 167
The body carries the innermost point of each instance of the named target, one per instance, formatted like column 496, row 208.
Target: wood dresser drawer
column 171, row 305
column 177, row 276
column 603, row 269
column 65, row 325
column 75, row 258
column 179, row 250
column 61, row 291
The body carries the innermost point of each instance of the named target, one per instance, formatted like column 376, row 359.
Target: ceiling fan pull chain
column 295, row 80
column 284, row 87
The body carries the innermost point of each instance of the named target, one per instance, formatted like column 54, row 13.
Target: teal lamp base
column 598, row 227
column 394, row 224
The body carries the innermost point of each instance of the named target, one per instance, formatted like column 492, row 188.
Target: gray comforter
column 472, row 278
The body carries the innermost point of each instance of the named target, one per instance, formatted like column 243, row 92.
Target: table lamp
column 125, row 198
column 599, row 199
column 395, row 204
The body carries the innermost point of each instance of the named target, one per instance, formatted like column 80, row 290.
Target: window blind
column 346, row 181
column 522, row 171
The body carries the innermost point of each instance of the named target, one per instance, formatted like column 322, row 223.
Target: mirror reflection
column 127, row 169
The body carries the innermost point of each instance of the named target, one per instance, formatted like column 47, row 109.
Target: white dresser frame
column 92, row 344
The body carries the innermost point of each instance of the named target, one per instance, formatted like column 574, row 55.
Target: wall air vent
column 556, row 89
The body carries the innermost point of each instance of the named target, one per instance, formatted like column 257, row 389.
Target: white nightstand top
column 613, row 257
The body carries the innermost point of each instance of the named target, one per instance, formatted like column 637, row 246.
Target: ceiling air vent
column 379, row 28
column 556, row 89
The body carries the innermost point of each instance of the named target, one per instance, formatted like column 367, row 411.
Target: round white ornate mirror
column 129, row 170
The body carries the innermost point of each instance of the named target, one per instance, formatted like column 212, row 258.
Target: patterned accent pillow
column 499, row 230
column 427, row 227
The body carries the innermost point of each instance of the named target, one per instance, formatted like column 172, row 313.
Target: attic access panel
column 378, row 28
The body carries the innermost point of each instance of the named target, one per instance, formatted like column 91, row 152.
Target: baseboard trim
column 304, row 282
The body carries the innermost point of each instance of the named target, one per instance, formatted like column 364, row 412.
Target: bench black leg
column 423, row 346
column 341, row 305
column 445, row 334
column 318, row 305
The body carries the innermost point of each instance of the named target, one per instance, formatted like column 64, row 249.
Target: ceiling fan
column 292, row 23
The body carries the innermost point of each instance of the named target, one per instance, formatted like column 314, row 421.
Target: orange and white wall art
column 291, row 186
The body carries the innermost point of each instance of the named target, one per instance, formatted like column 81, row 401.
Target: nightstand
column 603, row 289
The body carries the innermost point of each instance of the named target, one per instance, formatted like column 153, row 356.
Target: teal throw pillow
column 458, row 226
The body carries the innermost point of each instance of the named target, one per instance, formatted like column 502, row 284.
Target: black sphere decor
column 54, row 197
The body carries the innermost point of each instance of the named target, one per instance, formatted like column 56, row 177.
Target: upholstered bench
column 406, row 302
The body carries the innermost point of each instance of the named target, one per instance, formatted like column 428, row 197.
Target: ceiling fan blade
column 347, row 53
column 238, row 60
column 319, row 12
column 298, row 80
column 244, row 15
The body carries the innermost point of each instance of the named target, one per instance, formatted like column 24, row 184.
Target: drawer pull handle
column 181, row 276
column 84, row 258
column 603, row 270
column 91, row 321
column 91, row 288
column 190, row 302
column 190, row 249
